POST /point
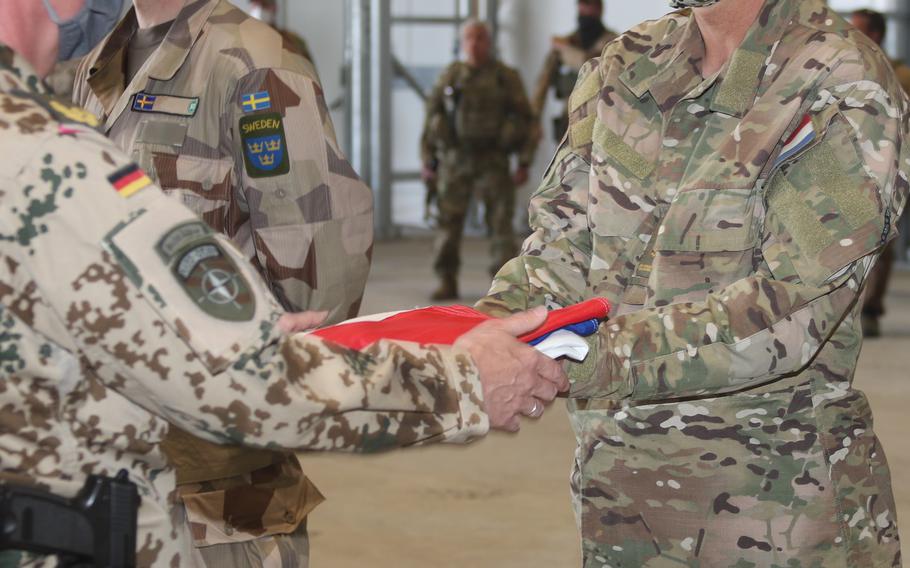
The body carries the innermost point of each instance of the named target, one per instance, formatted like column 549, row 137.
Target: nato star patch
column 206, row 273
column 265, row 148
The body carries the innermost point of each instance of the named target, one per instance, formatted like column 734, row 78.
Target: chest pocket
column 158, row 137
column 706, row 241
column 480, row 112
column 202, row 184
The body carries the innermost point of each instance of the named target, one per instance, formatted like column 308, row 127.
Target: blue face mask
column 87, row 28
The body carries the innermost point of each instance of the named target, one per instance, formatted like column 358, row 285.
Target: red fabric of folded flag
column 442, row 325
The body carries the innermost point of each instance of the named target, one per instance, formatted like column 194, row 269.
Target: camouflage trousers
column 253, row 520
column 486, row 178
column 782, row 476
column 275, row 551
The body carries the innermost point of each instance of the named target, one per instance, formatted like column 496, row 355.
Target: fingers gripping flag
column 560, row 335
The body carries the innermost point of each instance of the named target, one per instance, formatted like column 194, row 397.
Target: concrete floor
column 503, row 502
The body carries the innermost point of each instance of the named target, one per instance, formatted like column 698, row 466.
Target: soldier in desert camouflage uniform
column 730, row 205
column 477, row 118
column 568, row 54
column 225, row 116
column 122, row 312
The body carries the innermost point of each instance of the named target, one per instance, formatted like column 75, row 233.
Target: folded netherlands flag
column 560, row 335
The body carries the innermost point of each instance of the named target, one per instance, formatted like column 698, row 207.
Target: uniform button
column 228, row 530
column 281, row 194
column 289, row 516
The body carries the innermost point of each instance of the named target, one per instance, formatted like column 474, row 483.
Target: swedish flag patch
column 253, row 102
column 265, row 148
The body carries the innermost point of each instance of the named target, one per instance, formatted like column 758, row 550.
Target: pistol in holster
column 97, row 528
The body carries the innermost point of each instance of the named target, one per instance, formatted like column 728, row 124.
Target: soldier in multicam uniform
column 568, row 54
column 874, row 25
column 729, row 195
column 223, row 114
column 477, row 117
column 123, row 313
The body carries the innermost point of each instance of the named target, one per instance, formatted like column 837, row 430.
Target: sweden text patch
column 265, row 149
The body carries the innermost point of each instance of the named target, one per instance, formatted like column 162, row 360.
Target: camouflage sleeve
column 553, row 266
column 828, row 215
column 311, row 216
column 170, row 315
column 435, row 121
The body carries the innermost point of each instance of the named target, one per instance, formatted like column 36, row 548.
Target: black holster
column 97, row 528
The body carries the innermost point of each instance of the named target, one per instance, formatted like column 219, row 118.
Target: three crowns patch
column 265, row 148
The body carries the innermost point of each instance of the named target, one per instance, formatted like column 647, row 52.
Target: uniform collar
column 106, row 70
column 175, row 48
column 18, row 74
column 669, row 69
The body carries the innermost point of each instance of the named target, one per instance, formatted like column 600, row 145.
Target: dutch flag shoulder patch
column 803, row 136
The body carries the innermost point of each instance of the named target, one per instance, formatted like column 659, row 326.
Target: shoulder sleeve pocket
column 196, row 282
column 825, row 209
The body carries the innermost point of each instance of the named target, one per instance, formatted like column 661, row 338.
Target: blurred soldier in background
column 568, row 54
column 224, row 114
column 874, row 25
column 267, row 11
column 478, row 116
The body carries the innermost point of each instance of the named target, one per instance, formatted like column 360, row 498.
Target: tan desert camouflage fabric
column 120, row 315
column 716, row 422
column 306, row 223
column 309, row 230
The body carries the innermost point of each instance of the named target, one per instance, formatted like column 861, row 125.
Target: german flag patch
column 129, row 180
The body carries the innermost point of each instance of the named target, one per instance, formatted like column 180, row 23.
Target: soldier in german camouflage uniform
column 568, row 54
column 874, row 25
column 477, row 117
column 123, row 313
column 230, row 120
column 730, row 176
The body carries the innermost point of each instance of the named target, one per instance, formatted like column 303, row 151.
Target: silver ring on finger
column 536, row 410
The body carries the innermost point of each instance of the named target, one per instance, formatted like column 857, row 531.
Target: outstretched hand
column 517, row 379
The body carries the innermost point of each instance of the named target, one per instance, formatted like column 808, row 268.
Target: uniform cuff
column 464, row 377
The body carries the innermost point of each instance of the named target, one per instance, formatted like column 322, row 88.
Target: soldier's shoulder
column 29, row 120
column 246, row 45
column 508, row 70
column 823, row 35
column 643, row 38
column 452, row 70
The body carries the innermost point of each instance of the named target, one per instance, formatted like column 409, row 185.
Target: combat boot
column 448, row 290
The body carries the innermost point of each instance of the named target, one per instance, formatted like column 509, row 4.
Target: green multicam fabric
column 716, row 423
column 676, row 4
column 101, row 348
column 476, row 119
